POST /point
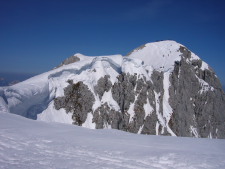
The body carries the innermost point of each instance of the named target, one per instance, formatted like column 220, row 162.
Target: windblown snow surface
column 26, row 143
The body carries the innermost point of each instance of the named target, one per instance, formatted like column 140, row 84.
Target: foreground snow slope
column 27, row 143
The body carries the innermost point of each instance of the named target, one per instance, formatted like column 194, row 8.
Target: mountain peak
column 162, row 55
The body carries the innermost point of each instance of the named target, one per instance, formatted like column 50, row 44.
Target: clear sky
column 36, row 35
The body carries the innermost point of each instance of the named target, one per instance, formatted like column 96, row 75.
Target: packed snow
column 148, row 109
column 28, row 143
column 160, row 55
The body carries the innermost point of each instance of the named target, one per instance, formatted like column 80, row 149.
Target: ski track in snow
column 26, row 143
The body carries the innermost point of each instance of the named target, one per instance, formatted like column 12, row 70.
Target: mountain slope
column 161, row 88
column 27, row 143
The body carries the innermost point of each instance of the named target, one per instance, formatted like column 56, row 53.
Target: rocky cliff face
column 161, row 88
column 191, row 104
column 69, row 60
column 197, row 100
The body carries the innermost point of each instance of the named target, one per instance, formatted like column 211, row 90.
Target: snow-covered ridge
column 27, row 143
column 132, row 93
column 161, row 55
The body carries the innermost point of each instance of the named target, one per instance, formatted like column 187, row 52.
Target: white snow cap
column 160, row 55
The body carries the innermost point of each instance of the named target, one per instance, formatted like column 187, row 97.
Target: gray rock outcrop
column 104, row 85
column 69, row 60
column 194, row 104
column 78, row 99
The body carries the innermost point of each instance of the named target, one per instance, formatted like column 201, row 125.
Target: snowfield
column 26, row 143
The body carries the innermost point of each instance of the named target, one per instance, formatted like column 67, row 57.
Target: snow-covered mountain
column 160, row 88
column 26, row 143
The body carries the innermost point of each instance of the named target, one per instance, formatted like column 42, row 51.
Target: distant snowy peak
column 162, row 55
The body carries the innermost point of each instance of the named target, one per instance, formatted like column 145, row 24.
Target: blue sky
column 36, row 35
